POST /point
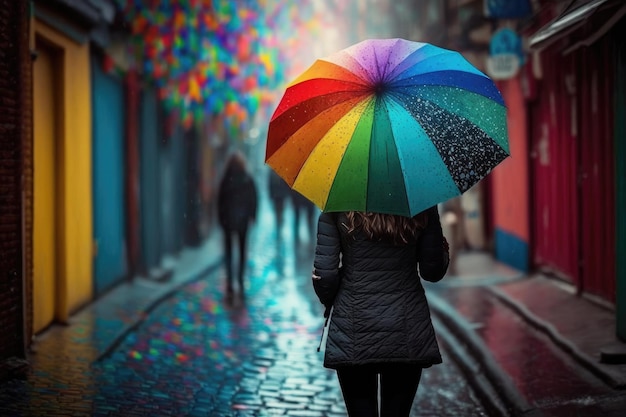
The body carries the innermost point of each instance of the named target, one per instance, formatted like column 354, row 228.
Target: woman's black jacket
column 380, row 314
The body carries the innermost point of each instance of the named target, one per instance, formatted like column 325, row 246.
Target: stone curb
column 495, row 386
column 144, row 313
column 563, row 343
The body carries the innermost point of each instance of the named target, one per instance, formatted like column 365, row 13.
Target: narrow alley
column 192, row 354
column 124, row 122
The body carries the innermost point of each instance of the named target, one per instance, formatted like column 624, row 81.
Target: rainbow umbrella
column 387, row 126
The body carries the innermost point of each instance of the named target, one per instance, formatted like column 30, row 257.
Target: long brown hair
column 377, row 226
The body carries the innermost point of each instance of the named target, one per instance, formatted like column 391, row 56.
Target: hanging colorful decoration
column 216, row 57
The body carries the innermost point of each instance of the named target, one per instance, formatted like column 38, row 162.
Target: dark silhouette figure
column 280, row 192
column 237, row 207
column 302, row 206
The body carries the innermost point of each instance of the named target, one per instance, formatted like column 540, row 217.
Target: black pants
column 398, row 386
column 241, row 237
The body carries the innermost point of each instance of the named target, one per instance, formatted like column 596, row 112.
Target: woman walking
column 237, row 207
column 367, row 271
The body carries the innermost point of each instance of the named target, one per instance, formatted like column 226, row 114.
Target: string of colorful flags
column 216, row 57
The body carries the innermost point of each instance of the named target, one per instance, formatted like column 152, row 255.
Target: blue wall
column 110, row 263
column 511, row 250
column 150, row 181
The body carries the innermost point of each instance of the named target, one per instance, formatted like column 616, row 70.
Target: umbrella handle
column 319, row 347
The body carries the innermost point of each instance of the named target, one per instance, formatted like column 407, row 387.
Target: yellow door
column 44, row 208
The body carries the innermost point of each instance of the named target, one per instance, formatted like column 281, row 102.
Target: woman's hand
column 446, row 245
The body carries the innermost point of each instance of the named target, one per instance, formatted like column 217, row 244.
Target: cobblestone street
column 141, row 138
column 196, row 355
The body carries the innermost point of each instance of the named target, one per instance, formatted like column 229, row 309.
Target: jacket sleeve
column 326, row 261
column 432, row 257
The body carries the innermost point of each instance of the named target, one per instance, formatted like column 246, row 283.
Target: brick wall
column 15, row 187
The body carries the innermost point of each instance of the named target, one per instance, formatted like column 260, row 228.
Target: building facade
column 15, row 174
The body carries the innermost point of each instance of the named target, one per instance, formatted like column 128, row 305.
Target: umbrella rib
column 294, row 90
column 433, row 55
column 378, row 69
column 297, row 124
column 363, row 84
column 387, row 75
column 398, row 99
column 443, row 131
column 470, row 82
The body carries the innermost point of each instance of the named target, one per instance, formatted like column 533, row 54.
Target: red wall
column 509, row 183
column 572, row 174
column 554, row 167
column 597, row 221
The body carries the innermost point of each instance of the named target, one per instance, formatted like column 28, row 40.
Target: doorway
column 45, row 186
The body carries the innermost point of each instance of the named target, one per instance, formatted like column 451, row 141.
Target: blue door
column 168, row 195
column 150, row 174
column 173, row 190
column 110, row 265
column 180, row 189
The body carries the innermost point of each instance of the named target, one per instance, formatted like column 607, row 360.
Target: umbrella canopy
column 387, row 126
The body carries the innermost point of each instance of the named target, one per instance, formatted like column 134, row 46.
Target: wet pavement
column 537, row 344
column 512, row 344
column 178, row 349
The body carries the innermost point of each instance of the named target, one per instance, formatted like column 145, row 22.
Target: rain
column 164, row 166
